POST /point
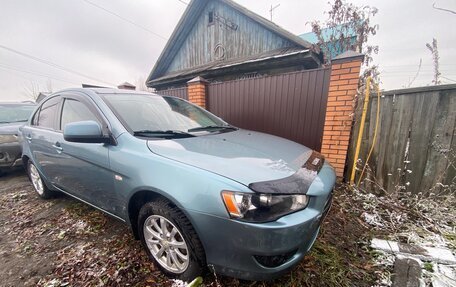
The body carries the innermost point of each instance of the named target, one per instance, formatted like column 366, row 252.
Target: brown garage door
column 290, row 105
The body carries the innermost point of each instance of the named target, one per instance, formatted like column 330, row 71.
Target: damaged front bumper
column 10, row 156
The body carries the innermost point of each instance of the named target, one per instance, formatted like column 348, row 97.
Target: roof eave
column 308, row 59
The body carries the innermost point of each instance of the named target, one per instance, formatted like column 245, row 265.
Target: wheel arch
column 25, row 160
column 143, row 195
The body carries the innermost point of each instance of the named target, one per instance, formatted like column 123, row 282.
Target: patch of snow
column 441, row 255
column 53, row 283
column 444, row 276
column 178, row 283
column 80, row 225
column 372, row 219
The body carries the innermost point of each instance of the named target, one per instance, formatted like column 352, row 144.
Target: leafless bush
column 424, row 217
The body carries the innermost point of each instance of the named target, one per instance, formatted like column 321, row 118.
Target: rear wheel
column 170, row 240
column 38, row 183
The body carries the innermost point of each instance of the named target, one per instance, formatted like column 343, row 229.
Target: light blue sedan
column 195, row 190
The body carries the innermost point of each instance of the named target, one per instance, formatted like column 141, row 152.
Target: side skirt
column 100, row 209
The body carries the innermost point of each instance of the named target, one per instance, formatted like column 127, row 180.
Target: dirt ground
column 61, row 242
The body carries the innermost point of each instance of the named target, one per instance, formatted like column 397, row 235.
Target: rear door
column 42, row 134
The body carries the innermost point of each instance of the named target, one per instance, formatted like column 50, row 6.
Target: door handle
column 57, row 146
column 28, row 137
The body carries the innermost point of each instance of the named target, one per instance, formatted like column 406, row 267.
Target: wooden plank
column 383, row 174
column 423, row 121
column 450, row 174
column 400, row 137
column 440, row 141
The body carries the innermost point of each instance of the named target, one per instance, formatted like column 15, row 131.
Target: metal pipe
column 361, row 130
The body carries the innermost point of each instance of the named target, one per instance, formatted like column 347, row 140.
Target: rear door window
column 47, row 116
column 75, row 111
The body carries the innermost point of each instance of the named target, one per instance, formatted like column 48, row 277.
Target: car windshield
column 157, row 115
column 12, row 113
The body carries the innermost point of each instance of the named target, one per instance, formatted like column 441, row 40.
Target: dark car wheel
column 170, row 240
column 38, row 184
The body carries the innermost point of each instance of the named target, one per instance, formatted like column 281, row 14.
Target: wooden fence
column 415, row 150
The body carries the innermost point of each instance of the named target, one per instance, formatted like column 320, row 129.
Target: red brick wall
column 197, row 93
column 339, row 113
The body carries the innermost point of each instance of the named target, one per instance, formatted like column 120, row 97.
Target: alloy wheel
column 36, row 180
column 166, row 244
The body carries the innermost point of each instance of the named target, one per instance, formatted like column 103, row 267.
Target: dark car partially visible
column 12, row 117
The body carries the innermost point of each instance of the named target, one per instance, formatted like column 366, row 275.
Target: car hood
column 10, row 129
column 241, row 155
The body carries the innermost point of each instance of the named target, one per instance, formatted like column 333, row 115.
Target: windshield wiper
column 206, row 128
column 162, row 133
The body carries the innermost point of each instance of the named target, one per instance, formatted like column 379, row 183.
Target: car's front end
column 268, row 216
column 12, row 117
column 10, row 147
column 10, row 152
column 264, row 250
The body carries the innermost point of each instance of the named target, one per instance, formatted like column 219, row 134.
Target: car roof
column 107, row 91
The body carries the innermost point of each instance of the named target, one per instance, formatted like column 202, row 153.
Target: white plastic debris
column 385, row 245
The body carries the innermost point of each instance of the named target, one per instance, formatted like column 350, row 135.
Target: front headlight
column 4, row 139
column 255, row 207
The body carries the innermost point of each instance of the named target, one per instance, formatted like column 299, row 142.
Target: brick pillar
column 197, row 92
column 343, row 88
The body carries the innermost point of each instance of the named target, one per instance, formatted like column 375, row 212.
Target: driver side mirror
column 84, row 132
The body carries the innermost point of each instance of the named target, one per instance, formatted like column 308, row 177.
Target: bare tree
column 348, row 27
column 141, row 85
column 31, row 90
column 443, row 9
column 344, row 21
column 435, row 58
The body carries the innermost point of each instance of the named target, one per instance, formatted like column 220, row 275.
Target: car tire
column 37, row 182
column 184, row 242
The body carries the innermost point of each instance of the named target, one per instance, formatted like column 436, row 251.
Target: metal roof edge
column 420, row 89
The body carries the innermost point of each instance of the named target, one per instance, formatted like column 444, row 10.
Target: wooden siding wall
column 175, row 92
column 415, row 149
column 291, row 105
column 249, row 38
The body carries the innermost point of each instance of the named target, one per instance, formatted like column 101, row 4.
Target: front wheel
column 170, row 240
column 37, row 182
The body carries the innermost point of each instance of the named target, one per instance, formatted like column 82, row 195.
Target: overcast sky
column 103, row 49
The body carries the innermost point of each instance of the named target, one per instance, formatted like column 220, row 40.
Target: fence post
column 343, row 87
column 197, row 91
